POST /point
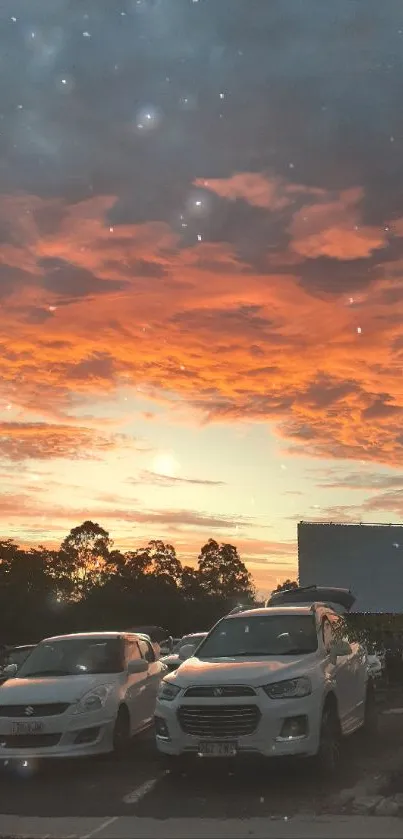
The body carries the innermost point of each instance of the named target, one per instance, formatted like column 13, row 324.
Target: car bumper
column 266, row 740
column 64, row 735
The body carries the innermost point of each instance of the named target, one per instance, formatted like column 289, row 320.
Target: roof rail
column 237, row 609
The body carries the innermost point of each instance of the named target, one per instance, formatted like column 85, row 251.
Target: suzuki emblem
column 29, row 711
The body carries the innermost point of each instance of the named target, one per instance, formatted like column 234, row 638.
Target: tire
column 329, row 752
column 121, row 733
column 371, row 717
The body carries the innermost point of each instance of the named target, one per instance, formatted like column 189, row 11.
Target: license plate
column 218, row 749
column 33, row 727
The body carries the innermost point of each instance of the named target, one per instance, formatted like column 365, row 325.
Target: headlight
column 289, row 689
column 168, row 691
column 94, row 700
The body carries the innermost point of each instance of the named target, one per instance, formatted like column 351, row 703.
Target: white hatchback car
column 273, row 681
column 79, row 694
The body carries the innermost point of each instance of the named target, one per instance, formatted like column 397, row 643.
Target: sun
column 165, row 464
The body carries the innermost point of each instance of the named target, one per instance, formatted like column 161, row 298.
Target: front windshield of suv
column 19, row 655
column 74, row 657
column 261, row 636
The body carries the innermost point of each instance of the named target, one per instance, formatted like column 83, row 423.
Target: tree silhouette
column 87, row 585
column 191, row 583
column 164, row 562
column 287, row 584
column 222, row 572
column 86, row 552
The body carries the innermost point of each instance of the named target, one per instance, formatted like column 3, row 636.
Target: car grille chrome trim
column 220, row 690
column 29, row 711
column 218, row 721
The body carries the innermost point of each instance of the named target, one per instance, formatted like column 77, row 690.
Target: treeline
column 89, row 585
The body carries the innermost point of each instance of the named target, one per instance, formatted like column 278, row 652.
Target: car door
column 357, row 670
column 341, row 673
column 154, row 676
column 136, row 687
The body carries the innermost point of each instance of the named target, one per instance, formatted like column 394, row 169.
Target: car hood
column 251, row 671
column 42, row 690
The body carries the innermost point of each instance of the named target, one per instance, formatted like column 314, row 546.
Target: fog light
column 161, row 728
column 87, row 735
column 294, row 728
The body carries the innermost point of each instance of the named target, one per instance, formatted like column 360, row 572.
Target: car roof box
column 312, row 594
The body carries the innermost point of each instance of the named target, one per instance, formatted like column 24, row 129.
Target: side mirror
column 9, row 671
column 339, row 648
column 137, row 665
column 186, row 651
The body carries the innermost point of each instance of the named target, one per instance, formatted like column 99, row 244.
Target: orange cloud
column 96, row 307
column 329, row 226
column 334, row 229
column 259, row 190
column 42, row 441
column 251, row 187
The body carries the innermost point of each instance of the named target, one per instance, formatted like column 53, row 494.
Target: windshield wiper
column 236, row 655
column 297, row 651
column 45, row 673
column 293, row 651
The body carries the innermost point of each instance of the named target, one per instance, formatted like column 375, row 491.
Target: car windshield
column 74, row 657
column 261, row 636
column 18, row 656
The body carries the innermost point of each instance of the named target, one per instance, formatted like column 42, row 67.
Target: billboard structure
column 366, row 558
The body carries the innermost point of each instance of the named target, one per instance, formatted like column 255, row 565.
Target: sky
column 201, row 262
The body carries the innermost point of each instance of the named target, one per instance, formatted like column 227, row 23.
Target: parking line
column 138, row 793
column 100, row 827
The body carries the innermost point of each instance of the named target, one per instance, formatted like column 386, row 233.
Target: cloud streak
column 41, row 441
column 155, row 479
column 361, row 481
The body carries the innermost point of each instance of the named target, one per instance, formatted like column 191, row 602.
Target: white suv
column 273, row 681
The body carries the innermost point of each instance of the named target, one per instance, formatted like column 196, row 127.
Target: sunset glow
column 201, row 261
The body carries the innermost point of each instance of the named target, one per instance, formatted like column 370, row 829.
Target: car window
column 261, row 635
column 18, row 656
column 132, row 651
column 73, row 657
column 327, row 633
column 146, row 650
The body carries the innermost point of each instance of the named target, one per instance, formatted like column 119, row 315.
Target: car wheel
column 371, row 718
column 329, row 752
column 121, row 733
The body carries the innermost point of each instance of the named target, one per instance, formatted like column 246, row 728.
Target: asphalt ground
column 140, row 786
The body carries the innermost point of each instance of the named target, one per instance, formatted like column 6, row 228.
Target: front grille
column 28, row 741
column 221, row 690
column 218, row 720
column 27, row 711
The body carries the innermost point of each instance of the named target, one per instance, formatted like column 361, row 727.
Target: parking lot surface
column 140, row 786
